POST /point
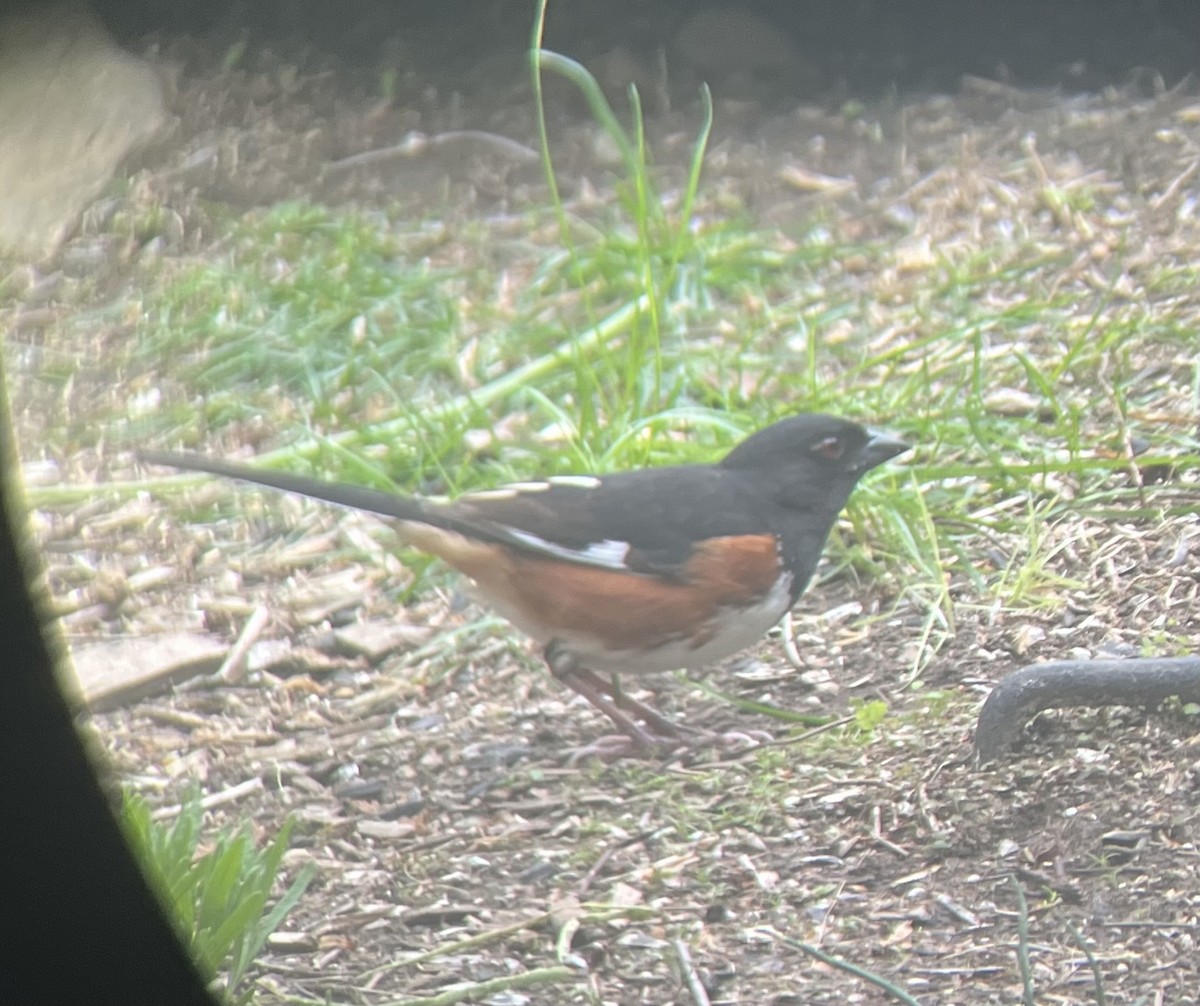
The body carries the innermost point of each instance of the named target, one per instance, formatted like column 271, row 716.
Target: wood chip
column 375, row 640
column 114, row 672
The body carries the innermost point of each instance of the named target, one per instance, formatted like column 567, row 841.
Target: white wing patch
column 504, row 493
column 575, row 481
column 514, row 489
column 606, row 554
column 518, row 488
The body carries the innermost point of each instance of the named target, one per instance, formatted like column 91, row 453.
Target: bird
column 639, row 571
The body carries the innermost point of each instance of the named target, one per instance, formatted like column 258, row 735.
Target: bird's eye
column 831, row 448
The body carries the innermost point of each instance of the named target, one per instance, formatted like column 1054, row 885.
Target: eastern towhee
column 647, row 570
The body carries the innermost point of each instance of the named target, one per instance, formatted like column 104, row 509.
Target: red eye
column 831, row 448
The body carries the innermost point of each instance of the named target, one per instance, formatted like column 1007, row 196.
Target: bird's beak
column 879, row 448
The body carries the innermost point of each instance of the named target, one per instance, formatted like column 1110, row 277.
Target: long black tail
column 356, row 497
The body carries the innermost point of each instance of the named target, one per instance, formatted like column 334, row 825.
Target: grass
column 217, row 888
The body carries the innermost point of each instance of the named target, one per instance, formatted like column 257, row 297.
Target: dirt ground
column 455, row 841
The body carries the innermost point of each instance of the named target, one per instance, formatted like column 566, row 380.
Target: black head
column 813, row 455
column 804, row 469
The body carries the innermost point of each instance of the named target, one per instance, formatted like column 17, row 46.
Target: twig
column 230, row 795
column 601, row 862
column 827, row 917
column 878, row 836
column 690, row 977
column 1176, row 184
column 958, row 911
column 233, row 669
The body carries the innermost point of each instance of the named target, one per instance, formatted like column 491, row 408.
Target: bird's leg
column 648, row 714
column 611, row 701
column 605, row 694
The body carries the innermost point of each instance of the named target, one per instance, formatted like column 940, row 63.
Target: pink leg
column 606, row 695
column 616, row 705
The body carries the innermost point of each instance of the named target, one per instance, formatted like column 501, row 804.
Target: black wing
column 647, row 521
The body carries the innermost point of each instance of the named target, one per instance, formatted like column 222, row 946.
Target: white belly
column 731, row 631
